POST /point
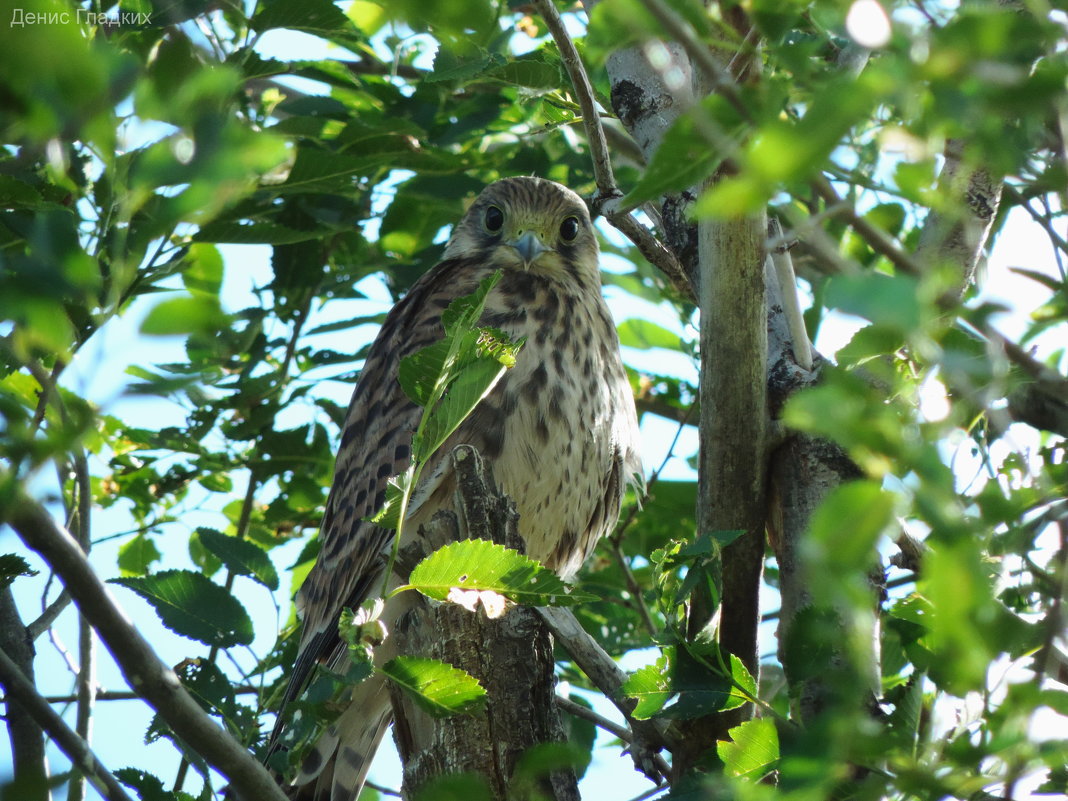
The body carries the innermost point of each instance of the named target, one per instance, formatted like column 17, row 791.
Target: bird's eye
column 494, row 219
column 569, row 229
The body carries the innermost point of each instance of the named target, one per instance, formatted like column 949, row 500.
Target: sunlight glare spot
column 867, row 24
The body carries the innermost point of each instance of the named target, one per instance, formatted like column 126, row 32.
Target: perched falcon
column 558, row 432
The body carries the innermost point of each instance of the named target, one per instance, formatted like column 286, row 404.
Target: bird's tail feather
column 336, row 768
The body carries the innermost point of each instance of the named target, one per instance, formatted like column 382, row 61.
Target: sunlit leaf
column 438, row 688
column 484, row 565
column 752, row 751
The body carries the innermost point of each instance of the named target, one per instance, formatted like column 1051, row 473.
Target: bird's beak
column 529, row 247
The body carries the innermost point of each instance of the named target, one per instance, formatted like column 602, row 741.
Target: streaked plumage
column 559, row 433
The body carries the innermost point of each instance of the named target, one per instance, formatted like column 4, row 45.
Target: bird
column 558, row 432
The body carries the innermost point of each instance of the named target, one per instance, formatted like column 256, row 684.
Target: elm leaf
column 194, row 606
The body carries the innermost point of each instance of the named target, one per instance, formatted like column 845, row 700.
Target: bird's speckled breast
column 559, row 429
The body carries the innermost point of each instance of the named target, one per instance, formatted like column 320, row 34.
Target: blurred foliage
column 136, row 157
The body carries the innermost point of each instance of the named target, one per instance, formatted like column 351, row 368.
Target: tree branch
column 76, row 748
column 733, row 459
column 580, row 711
column 784, row 273
column 27, row 740
column 876, row 237
column 602, row 162
column 142, row 669
column 649, row 736
column 511, row 656
column 956, row 236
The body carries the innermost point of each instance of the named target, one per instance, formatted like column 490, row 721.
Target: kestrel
column 558, row 432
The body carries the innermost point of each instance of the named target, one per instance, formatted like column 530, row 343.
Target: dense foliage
column 144, row 142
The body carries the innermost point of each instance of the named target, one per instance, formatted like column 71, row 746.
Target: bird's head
column 528, row 224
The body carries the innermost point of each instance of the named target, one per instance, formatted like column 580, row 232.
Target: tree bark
column 724, row 261
column 511, row 656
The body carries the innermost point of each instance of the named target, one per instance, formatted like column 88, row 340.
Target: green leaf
column 754, row 752
column 701, row 687
column 209, row 686
column 484, row 565
column 148, row 786
column 11, row 567
column 419, row 373
column 890, row 301
column 194, row 606
column 308, row 15
column 204, row 269
column 137, row 556
column 450, row 377
column 684, row 157
column 240, row 556
column 649, row 687
column 437, row 687
column 643, row 334
column 848, row 523
column 389, row 515
column 474, row 382
column 186, row 315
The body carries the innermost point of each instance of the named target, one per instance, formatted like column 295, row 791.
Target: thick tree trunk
column 724, row 260
column 511, row 656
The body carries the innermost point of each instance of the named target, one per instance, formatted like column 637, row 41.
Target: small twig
column 876, row 237
column 1018, row 199
column 655, row 252
column 634, row 588
column 63, row 651
column 81, row 511
column 580, row 711
column 382, row 789
column 617, row 535
column 45, row 620
column 27, row 742
column 76, row 749
column 1055, row 618
column 825, row 248
column 124, row 695
column 622, row 732
column 607, row 676
column 652, row 792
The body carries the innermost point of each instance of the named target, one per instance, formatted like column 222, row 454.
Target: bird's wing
column 375, row 445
